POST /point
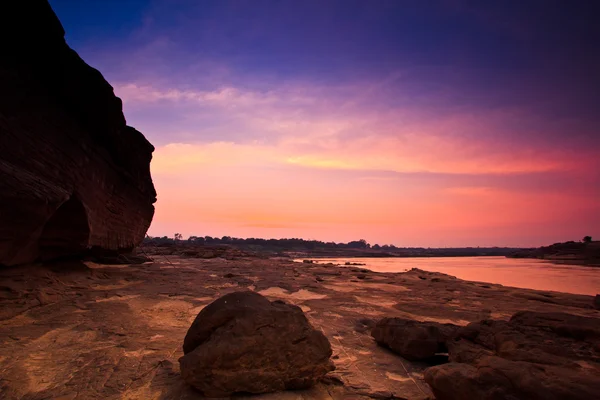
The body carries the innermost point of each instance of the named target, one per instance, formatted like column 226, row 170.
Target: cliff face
column 73, row 175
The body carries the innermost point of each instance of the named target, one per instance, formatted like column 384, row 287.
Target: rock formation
column 533, row 356
column 242, row 342
column 411, row 339
column 99, row 332
column 73, row 175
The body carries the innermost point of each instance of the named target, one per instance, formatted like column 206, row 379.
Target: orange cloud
column 310, row 165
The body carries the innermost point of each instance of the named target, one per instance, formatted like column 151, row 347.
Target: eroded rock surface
column 243, row 343
column 411, row 339
column 73, row 175
column 115, row 331
column 532, row 356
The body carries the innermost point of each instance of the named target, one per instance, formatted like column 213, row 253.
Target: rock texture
column 533, row 356
column 243, row 343
column 73, row 175
column 411, row 339
column 115, row 331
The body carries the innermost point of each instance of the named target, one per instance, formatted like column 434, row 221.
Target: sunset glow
column 385, row 128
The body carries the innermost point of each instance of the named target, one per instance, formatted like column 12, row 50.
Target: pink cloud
column 296, row 164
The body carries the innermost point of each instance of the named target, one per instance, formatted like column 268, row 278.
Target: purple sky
column 442, row 123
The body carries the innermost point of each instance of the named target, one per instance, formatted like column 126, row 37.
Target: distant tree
column 178, row 236
column 358, row 244
column 587, row 239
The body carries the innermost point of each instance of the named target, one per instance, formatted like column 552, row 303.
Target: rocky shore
column 85, row 331
column 577, row 253
column 206, row 320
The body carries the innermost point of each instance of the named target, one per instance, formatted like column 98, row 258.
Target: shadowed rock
column 498, row 378
column 413, row 340
column 533, row 356
column 73, row 175
column 242, row 342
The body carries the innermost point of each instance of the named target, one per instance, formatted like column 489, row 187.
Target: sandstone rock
column 363, row 325
column 413, row 340
column 545, row 338
column 597, row 302
column 562, row 324
column 73, row 175
column 498, row 378
column 242, row 342
column 110, row 332
column 533, row 356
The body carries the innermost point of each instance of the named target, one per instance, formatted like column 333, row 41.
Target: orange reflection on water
column 521, row 273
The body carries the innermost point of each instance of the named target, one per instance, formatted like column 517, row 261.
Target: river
column 522, row 273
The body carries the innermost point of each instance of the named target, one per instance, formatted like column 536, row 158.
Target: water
column 522, row 273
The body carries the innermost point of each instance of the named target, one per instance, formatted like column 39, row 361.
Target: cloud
column 343, row 162
column 227, row 97
column 308, row 127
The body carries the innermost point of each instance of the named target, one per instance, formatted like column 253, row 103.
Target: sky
column 413, row 123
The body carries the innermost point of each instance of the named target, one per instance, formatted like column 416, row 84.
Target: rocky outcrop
column 411, row 339
column 242, row 342
column 73, row 175
column 533, row 356
column 498, row 378
column 99, row 332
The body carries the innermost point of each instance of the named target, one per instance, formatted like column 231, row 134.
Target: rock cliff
column 73, row 175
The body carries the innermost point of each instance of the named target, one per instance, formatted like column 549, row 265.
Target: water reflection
column 523, row 273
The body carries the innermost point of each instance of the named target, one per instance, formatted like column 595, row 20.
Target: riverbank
column 522, row 273
column 115, row 331
column 570, row 253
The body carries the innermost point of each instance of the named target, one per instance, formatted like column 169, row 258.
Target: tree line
column 290, row 243
column 297, row 244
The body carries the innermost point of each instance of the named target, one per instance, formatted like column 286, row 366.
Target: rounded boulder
column 242, row 342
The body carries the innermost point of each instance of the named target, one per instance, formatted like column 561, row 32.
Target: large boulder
column 73, row 175
column 533, row 356
column 494, row 378
column 413, row 340
column 242, row 342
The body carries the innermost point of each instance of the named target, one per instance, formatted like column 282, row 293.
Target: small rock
column 208, row 254
column 413, row 340
column 364, row 324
